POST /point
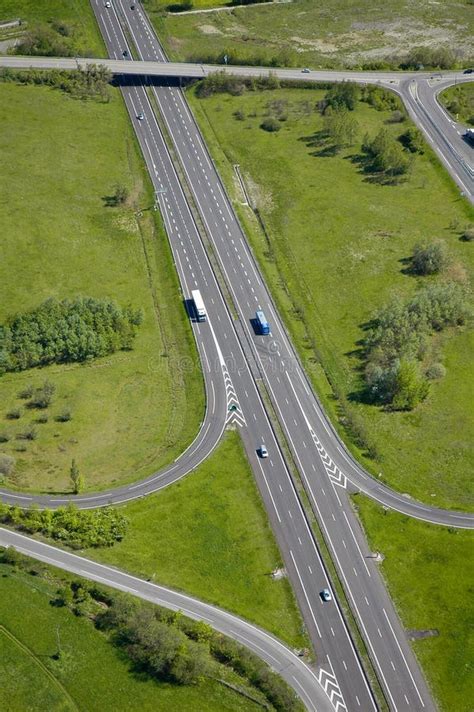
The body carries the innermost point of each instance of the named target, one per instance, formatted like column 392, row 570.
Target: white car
column 326, row 594
column 140, row 116
column 108, row 4
column 306, row 70
column 263, row 451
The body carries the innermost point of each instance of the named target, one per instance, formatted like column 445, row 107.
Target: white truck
column 199, row 307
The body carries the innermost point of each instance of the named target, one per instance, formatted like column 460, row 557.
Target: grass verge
column 209, row 535
column 429, row 573
column 459, row 101
column 332, row 253
column 91, row 673
column 136, row 410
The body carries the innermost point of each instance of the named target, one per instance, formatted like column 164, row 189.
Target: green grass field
column 134, row 411
column 459, row 100
column 91, row 674
column 304, row 32
column 209, row 535
column 76, row 13
column 334, row 251
column 429, row 572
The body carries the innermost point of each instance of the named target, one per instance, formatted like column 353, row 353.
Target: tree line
column 66, row 331
column 76, row 528
column 89, row 83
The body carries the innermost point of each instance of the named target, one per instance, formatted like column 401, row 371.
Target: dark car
column 132, row 7
column 468, row 71
column 125, row 53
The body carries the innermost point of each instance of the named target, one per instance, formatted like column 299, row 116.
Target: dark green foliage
column 4, row 437
column 247, row 2
column 429, row 259
column 76, row 478
column 270, row 124
column 398, row 339
column 89, row 83
column 412, row 140
column 381, row 99
column 120, row 195
column 172, row 647
column 75, row 528
column 343, row 95
column 385, row 155
column 71, row 330
column 180, row 6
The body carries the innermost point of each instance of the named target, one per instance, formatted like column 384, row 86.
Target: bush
column 28, row 434
column 4, row 437
column 397, row 117
column 381, row 99
column 64, row 416
column 43, row 396
column 7, row 465
column 435, row 372
column 27, row 392
column 43, row 41
column 66, row 331
column 89, row 83
column 14, row 414
column 429, row 259
column 180, row 6
column 468, row 234
column 270, row 124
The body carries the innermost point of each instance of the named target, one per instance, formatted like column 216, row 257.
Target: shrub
column 385, row 155
column 43, row 396
column 28, row 434
column 468, row 234
column 435, row 371
column 7, row 465
column 429, row 259
column 14, row 414
column 180, row 6
column 4, row 437
column 397, row 117
column 64, row 416
column 27, row 392
column 270, row 124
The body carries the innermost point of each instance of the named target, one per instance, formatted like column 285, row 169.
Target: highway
column 418, row 91
column 234, row 358
column 300, row 676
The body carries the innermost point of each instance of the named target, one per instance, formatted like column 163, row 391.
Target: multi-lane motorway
column 282, row 659
column 418, row 90
column 234, row 358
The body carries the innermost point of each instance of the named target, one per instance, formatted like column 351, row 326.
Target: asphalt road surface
column 300, row 676
column 233, row 357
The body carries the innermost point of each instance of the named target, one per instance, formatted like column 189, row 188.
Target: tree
column 76, row 478
column 340, row 127
column 412, row 140
column 429, row 259
column 120, row 195
column 410, row 386
column 342, row 95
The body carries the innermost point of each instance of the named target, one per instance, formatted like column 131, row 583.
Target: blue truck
column 262, row 323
